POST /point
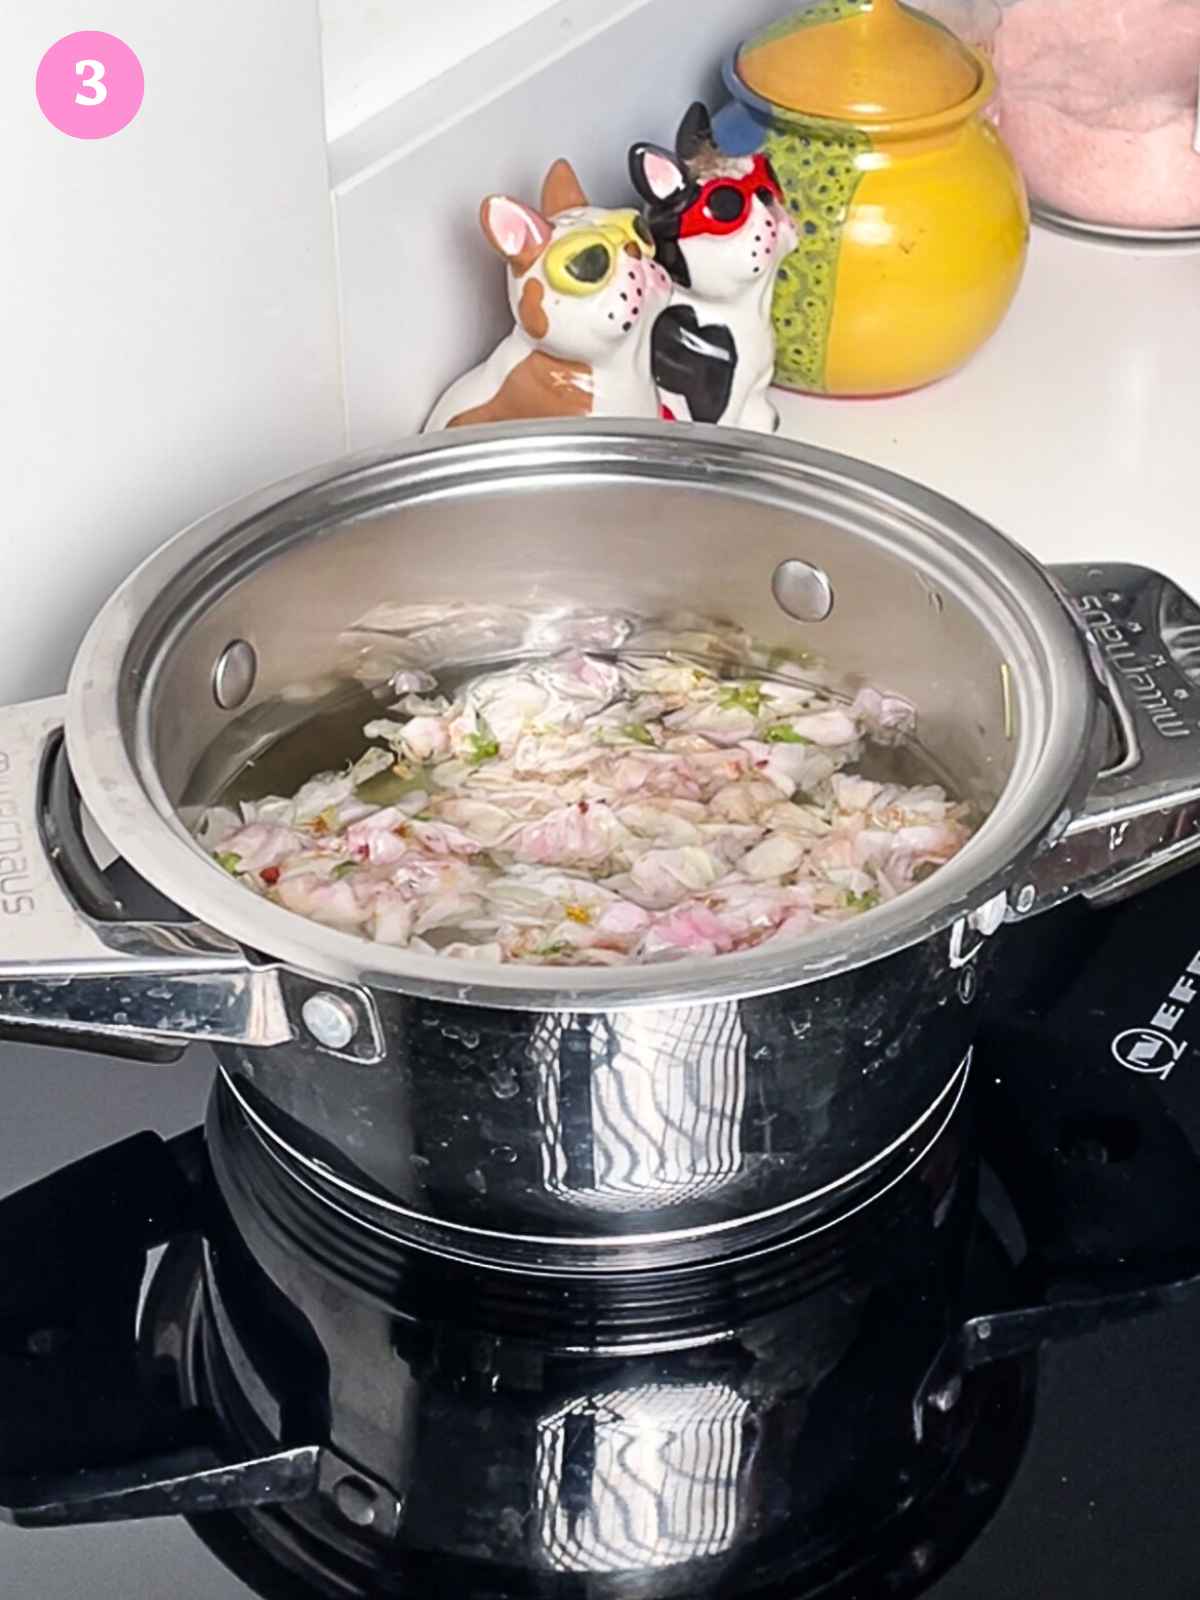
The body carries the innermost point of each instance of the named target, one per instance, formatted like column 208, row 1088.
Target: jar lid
column 864, row 61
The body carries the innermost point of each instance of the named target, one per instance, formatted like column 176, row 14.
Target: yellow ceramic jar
column 913, row 218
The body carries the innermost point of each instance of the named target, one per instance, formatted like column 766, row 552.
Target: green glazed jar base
column 820, row 172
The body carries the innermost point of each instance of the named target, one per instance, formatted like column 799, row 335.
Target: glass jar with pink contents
column 1099, row 103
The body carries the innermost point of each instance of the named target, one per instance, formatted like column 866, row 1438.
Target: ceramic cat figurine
column 722, row 232
column 585, row 292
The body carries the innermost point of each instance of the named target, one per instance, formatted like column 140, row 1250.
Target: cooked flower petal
column 585, row 812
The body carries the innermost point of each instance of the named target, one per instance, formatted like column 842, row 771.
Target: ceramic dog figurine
column 585, row 292
column 722, row 232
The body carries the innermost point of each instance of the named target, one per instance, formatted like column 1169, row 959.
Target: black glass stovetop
column 1099, row 1494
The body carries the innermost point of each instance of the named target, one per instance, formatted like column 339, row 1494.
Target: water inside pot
column 283, row 745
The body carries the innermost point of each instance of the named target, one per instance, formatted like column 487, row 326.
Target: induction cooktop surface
column 1081, row 1458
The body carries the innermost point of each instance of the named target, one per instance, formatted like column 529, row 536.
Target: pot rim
column 1050, row 676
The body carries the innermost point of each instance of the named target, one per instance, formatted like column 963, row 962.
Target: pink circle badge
column 90, row 85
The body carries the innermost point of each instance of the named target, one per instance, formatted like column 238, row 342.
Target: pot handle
column 1104, row 1182
column 1141, row 820
column 1104, row 1189
column 76, row 970
column 88, row 1430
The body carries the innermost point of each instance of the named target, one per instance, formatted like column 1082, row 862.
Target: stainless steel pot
column 579, row 1120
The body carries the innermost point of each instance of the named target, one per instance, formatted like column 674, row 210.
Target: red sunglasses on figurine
column 723, row 203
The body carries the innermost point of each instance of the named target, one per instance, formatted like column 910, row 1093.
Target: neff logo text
column 1155, row 1049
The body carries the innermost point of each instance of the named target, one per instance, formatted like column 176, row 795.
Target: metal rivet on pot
column 1026, row 898
column 356, row 1501
column 968, row 985
column 330, row 1019
column 802, row 590
column 234, row 674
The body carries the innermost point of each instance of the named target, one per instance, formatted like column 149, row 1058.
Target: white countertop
column 1076, row 430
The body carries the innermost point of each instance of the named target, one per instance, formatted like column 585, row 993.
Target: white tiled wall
column 169, row 297
column 168, row 333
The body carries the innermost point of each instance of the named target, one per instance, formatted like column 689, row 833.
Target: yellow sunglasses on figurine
column 583, row 262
